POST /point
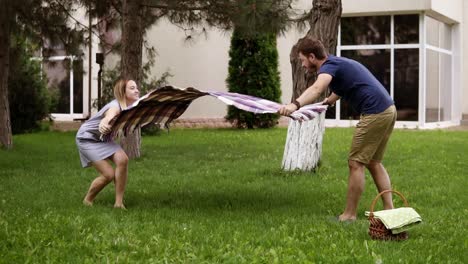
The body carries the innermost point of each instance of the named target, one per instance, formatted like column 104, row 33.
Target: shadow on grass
column 247, row 200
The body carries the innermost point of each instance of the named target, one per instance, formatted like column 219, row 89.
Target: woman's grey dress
column 90, row 146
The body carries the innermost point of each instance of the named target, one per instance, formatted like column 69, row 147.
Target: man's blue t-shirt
column 356, row 84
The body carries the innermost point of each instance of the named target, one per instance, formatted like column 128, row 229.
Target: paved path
column 458, row 128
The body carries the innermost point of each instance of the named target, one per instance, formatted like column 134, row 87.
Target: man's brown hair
column 307, row 46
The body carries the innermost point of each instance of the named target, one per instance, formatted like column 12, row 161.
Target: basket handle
column 371, row 214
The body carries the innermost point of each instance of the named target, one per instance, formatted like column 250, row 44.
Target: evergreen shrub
column 253, row 70
column 27, row 89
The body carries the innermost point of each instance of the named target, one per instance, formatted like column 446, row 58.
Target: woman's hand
column 104, row 127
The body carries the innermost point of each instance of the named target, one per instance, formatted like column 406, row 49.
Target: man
column 350, row 80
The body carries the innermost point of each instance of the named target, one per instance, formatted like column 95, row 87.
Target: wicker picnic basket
column 377, row 229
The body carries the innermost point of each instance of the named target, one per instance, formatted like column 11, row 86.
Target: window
column 365, row 30
column 406, row 29
column 392, row 48
column 432, row 86
column 438, row 71
column 64, row 78
column 378, row 62
column 389, row 47
column 406, row 83
column 64, row 75
column 438, row 34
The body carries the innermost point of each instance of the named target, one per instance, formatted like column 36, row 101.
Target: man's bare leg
column 382, row 182
column 355, row 188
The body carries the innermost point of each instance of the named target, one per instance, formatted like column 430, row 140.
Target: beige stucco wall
column 203, row 64
column 448, row 11
column 366, row 7
column 464, row 61
column 200, row 63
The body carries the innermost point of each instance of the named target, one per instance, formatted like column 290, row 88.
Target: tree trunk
column 6, row 139
column 131, row 63
column 303, row 151
column 304, row 140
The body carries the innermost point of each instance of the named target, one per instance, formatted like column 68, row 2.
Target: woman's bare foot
column 87, row 202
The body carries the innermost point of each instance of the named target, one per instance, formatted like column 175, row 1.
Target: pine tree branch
column 154, row 4
column 102, row 40
column 116, row 7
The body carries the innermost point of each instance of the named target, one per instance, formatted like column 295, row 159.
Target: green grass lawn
column 211, row 196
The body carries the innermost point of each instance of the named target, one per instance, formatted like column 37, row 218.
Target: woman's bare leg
column 121, row 171
column 106, row 175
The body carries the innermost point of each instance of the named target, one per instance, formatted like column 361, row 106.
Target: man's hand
column 326, row 101
column 331, row 100
column 286, row 110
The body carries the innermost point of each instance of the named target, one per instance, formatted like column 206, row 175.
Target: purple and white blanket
column 165, row 104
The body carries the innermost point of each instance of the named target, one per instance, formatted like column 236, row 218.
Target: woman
column 100, row 154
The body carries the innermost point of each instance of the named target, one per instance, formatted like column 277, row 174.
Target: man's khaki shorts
column 371, row 136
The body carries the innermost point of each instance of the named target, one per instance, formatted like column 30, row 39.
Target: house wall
column 203, row 64
column 448, row 11
column 200, row 63
column 368, row 7
column 464, row 60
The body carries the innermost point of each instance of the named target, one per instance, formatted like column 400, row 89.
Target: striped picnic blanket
column 165, row 104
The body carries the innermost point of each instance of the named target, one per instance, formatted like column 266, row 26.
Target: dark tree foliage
column 48, row 23
column 44, row 22
column 248, row 16
column 253, row 70
column 32, row 25
column 28, row 96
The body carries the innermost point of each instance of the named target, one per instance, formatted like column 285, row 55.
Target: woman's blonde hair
column 119, row 92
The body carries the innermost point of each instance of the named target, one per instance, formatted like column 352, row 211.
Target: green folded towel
column 399, row 219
